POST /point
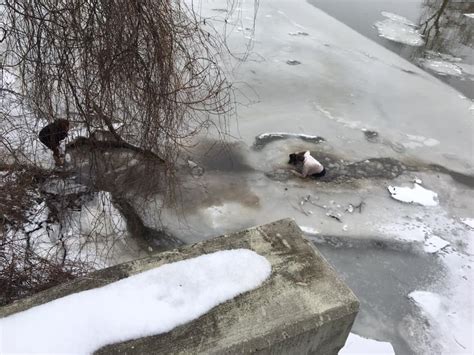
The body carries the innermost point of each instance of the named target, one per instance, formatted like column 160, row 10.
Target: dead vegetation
column 147, row 73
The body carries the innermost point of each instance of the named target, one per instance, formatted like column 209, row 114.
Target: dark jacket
column 53, row 134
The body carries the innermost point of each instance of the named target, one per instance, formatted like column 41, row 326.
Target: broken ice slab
column 265, row 138
column 399, row 29
column 416, row 194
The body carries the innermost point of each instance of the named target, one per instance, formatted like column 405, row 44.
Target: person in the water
column 307, row 164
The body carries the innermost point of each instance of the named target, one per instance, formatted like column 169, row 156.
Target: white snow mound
column 416, row 194
column 151, row 302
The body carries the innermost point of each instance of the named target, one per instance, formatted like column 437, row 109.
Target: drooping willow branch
column 147, row 65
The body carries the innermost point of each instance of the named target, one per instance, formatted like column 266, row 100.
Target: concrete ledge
column 304, row 308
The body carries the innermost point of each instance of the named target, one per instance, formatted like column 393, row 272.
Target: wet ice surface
column 382, row 277
column 383, row 124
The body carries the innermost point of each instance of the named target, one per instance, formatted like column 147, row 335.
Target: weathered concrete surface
column 303, row 308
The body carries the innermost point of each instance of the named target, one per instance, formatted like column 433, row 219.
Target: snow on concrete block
column 148, row 303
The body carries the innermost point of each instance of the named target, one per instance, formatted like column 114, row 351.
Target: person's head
column 296, row 157
column 63, row 124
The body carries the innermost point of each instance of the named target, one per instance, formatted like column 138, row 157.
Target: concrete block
column 303, row 308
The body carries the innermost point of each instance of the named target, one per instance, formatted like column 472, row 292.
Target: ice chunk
column 416, row 194
column 468, row 222
column 356, row 344
column 149, row 303
column 441, row 67
column 265, row 138
column 434, row 244
column 397, row 18
column 399, row 29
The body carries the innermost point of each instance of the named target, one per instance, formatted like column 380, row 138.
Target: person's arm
column 294, row 172
column 306, row 168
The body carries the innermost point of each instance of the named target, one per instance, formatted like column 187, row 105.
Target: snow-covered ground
column 148, row 303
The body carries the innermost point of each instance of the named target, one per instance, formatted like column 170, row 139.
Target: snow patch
column 420, row 141
column 429, row 303
column 434, row 244
column 309, row 230
column 149, row 303
column 399, row 29
column 416, row 194
column 356, row 344
column 469, row 15
column 100, row 217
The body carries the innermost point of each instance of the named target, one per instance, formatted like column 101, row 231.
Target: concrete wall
column 303, row 308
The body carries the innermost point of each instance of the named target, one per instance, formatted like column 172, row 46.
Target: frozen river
column 383, row 122
column 395, row 212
